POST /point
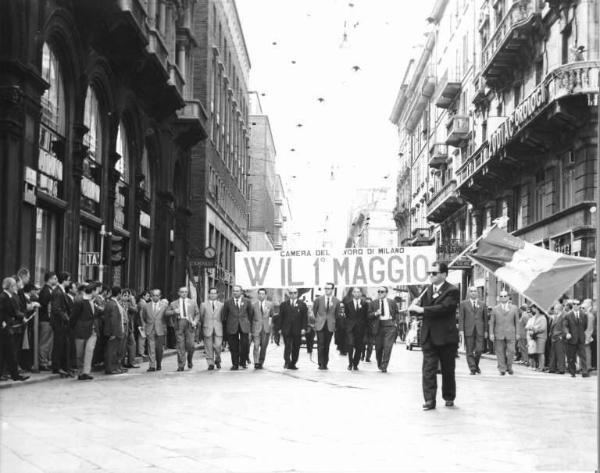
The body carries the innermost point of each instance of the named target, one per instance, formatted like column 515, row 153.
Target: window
column 540, row 188
column 122, row 165
column 517, row 94
column 146, row 183
column 567, row 177
column 144, row 273
column 92, row 170
column 539, row 71
column 88, row 242
column 566, row 37
column 46, row 243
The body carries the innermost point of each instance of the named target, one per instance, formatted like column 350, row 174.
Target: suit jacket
column 439, row 316
column 191, row 310
column 576, row 327
column 60, row 306
column 45, row 299
column 234, row 318
column 293, row 319
column 9, row 312
column 591, row 325
column 154, row 320
column 471, row 320
column 356, row 317
column 323, row 315
column 262, row 321
column 558, row 328
column 84, row 319
column 503, row 323
column 212, row 321
column 375, row 306
column 113, row 320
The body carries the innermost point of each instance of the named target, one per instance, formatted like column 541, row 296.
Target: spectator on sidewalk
column 139, row 326
column 576, row 323
column 10, row 316
column 113, row 331
column 60, row 313
column 46, row 336
column 84, row 323
column 556, row 335
column 586, row 307
column 537, row 333
column 522, row 353
column 127, row 353
column 503, row 332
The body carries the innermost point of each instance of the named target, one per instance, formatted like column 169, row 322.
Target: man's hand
column 416, row 308
column 112, row 337
column 3, row 324
column 491, row 337
column 568, row 336
column 302, row 332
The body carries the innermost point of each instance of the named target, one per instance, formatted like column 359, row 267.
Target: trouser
column 291, row 352
column 46, row 340
column 522, row 348
column 112, row 348
column 212, row 348
column 184, row 334
column 238, row 347
column 505, row 352
column 127, row 348
column 574, row 351
column 433, row 355
column 84, row 347
column 369, row 343
column 7, row 353
column 323, row 342
column 594, row 363
column 156, row 347
column 384, row 342
column 261, row 342
column 61, row 350
column 354, row 344
column 474, row 348
column 310, row 340
column 340, row 338
column 557, row 356
column 141, row 343
column 588, row 356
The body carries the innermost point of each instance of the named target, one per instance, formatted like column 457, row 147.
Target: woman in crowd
column 537, row 334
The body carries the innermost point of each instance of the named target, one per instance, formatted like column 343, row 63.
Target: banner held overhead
column 389, row 266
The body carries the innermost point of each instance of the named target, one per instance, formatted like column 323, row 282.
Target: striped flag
column 538, row 274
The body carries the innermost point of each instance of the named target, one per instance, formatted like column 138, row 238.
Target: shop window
column 89, row 241
column 144, row 273
column 92, row 170
column 567, row 178
column 540, row 190
column 46, row 243
column 122, row 191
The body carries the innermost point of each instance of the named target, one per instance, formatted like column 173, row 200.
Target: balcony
column 176, row 80
column 458, row 130
column 509, row 40
column 278, row 222
column 438, row 154
column 420, row 237
column 191, row 121
column 428, row 86
column 444, row 203
column 450, row 87
column 158, row 51
column 134, row 14
column 278, row 200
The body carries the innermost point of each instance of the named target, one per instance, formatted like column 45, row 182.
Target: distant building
column 371, row 223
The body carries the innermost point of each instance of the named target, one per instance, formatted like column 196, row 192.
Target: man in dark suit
column 293, row 322
column 10, row 316
column 237, row 316
column 575, row 325
column 45, row 328
column 84, row 323
column 113, row 331
column 356, row 312
column 439, row 335
column 386, row 315
column 326, row 309
column 472, row 327
column 59, row 316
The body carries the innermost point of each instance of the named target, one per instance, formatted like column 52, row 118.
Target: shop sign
column 90, row 258
column 50, row 165
column 520, row 115
column 90, row 189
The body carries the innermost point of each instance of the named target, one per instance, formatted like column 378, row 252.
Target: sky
column 352, row 55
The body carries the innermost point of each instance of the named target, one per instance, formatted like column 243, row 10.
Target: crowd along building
column 516, row 130
column 97, row 122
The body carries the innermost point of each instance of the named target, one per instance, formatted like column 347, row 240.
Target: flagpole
column 597, row 190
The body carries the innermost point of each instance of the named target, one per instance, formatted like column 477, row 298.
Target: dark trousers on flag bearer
column 434, row 355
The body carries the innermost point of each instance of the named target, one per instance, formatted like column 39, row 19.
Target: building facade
column 96, row 130
column 220, row 164
column 521, row 128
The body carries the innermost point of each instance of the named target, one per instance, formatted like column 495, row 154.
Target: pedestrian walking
column 326, row 309
column 294, row 320
column 576, row 323
column 211, row 320
column 356, row 314
column 261, row 328
column 155, row 327
column 186, row 315
column 237, row 317
column 472, row 327
column 386, row 312
column 503, row 332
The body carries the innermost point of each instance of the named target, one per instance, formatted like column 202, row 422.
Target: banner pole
column 597, row 251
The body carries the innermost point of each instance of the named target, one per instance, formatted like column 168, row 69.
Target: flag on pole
column 538, row 274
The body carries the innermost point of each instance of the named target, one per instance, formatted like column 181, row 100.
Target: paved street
column 303, row 421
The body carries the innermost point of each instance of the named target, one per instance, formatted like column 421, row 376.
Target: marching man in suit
column 385, row 312
column 356, row 321
column 472, row 327
column 439, row 335
column 237, row 316
column 293, row 323
column 211, row 313
column 153, row 316
column 186, row 315
column 261, row 327
column 503, row 332
column 326, row 309
column 575, row 325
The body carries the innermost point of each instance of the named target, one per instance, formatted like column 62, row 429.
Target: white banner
column 365, row 267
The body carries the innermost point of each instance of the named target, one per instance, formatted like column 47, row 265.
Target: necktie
column 474, row 305
column 213, row 306
column 327, row 306
column 381, row 308
column 356, row 305
column 154, row 306
column 184, row 310
column 262, row 309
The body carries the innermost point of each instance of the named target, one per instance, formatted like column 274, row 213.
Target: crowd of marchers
column 87, row 325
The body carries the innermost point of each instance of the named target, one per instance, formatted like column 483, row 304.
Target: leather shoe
column 235, row 368
column 256, row 366
column 429, row 405
column 478, row 370
column 384, row 370
column 473, row 371
column 114, row 372
column 349, row 367
column 84, row 377
column 190, row 365
column 355, row 367
column 211, row 367
column 158, row 368
column 151, row 369
column 502, row 373
column 449, row 403
column 20, row 378
column 218, row 365
column 132, row 366
column 243, row 365
column 293, row 367
column 585, row 375
column 180, row 368
column 511, row 372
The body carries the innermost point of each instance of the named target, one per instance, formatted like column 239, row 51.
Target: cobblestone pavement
column 303, row 421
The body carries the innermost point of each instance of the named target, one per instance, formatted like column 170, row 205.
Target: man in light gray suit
column 155, row 326
column 472, row 328
column 261, row 327
column 185, row 315
column 326, row 310
column 503, row 332
column 212, row 328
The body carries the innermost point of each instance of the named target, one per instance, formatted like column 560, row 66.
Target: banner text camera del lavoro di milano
column 346, row 267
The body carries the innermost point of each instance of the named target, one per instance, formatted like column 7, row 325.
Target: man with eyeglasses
column 293, row 322
column 472, row 323
column 385, row 313
column 503, row 332
column 326, row 309
column 439, row 335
